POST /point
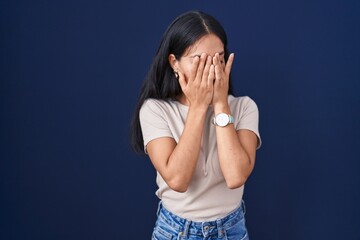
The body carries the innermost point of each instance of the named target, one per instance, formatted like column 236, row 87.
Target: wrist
column 200, row 108
column 223, row 119
column 221, row 108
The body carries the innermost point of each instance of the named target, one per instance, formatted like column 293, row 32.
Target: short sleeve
column 248, row 117
column 153, row 121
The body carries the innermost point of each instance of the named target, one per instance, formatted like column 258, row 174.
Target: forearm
column 182, row 162
column 235, row 162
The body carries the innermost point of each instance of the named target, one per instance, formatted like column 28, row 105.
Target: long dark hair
column 160, row 82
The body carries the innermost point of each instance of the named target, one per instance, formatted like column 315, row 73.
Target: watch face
column 222, row 119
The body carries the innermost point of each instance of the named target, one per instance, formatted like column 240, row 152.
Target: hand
column 199, row 87
column 221, row 83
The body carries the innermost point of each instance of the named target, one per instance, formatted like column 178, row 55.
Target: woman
column 199, row 137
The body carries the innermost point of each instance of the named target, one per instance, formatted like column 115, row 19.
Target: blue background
column 70, row 75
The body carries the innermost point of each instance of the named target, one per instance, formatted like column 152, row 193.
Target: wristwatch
column 223, row 119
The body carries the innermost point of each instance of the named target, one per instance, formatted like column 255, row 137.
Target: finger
column 206, row 68
column 194, row 67
column 229, row 64
column 218, row 73
column 215, row 59
column 200, row 68
column 211, row 76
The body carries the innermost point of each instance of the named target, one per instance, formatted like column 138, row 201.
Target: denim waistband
column 185, row 226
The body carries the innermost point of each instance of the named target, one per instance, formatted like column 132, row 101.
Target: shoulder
column 153, row 104
column 242, row 102
column 156, row 106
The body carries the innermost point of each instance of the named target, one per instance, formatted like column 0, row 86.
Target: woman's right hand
column 176, row 161
column 199, row 87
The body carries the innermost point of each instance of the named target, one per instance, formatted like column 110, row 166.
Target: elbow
column 235, row 183
column 178, row 185
column 237, row 179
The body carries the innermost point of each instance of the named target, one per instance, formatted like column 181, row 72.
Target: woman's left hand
column 221, row 83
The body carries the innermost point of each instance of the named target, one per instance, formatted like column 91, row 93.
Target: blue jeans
column 170, row 227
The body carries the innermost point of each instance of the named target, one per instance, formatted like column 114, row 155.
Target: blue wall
column 70, row 74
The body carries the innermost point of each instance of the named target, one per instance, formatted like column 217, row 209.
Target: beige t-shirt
column 208, row 197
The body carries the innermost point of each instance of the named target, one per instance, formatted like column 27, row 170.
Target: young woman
column 199, row 137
